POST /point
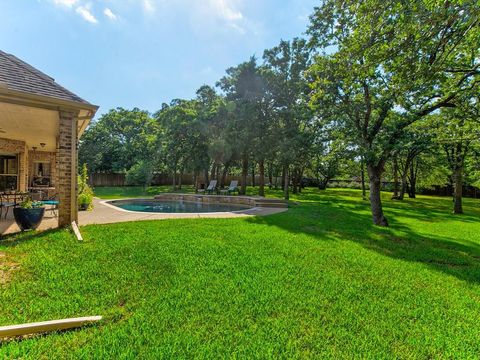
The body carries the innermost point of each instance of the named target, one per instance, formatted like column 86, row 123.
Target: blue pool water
column 163, row 206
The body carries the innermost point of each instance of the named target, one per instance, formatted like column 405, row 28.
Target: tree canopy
column 390, row 87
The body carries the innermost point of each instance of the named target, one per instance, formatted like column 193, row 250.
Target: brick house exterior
column 40, row 126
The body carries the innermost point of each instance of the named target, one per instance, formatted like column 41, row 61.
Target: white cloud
column 109, row 13
column 238, row 28
column 148, row 6
column 67, row 3
column 86, row 14
column 226, row 10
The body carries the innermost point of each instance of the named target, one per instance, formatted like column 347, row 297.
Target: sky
column 142, row 53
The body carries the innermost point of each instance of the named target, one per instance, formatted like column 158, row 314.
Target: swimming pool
column 175, row 206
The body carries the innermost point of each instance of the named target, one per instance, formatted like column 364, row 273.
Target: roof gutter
column 46, row 102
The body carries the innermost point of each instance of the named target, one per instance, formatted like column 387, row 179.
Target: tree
column 456, row 132
column 416, row 139
column 244, row 89
column 285, row 67
column 328, row 153
column 118, row 140
column 140, row 174
column 207, row 128
column 389, row 68
column 175, row 140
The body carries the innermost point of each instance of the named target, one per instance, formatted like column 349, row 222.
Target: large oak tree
column 378, row 59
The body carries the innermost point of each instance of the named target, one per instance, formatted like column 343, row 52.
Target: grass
column 318, row 281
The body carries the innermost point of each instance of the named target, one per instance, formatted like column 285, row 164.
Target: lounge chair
column 211, row 187
column 232, row 188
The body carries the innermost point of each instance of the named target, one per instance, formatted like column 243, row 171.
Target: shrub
column 140, row 174
column 85, row 192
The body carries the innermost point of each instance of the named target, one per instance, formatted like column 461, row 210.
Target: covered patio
column 40, row 125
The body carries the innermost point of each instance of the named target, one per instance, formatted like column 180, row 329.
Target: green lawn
column 318, row 281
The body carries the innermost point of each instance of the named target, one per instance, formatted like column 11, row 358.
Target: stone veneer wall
column 66, row 164
column 18, row 147
column 42, row 156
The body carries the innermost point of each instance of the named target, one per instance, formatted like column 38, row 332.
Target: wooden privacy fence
column 118, row 179
column 114, row 179
column 106, row 179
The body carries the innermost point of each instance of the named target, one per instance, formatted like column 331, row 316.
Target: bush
column 346, row 185
column 85, row 192
column 140, row 174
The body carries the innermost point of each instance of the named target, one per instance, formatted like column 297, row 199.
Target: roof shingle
column 17, row 75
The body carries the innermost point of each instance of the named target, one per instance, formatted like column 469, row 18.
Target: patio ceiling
column 29, row 124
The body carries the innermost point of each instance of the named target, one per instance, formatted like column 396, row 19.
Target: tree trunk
column 407, row 165
column 300, row 177
column 294, row 182
column 457, row 190
column 364, row 192
column 375, row 175
column 253, row 174
column 213, row 171
column 270, row 176
column 413, row 181
column 286, row 182
column 224, row 176
column 174, row 180
column 403, row 188
column 283, row 177
column 207, row 180
column 261, row 170
column 180, row 180
column 195, row 181
column 412, row 191
column 322, row 183
column 243, row 189
column 276, row 180
column 395, row 178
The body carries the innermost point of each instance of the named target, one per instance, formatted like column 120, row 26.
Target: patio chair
column 232, row 188
column 211, row 187
column 52, row 201
column 7, row 201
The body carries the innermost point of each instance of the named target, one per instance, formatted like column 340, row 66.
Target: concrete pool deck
column 104, row 213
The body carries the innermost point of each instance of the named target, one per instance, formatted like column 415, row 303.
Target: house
column 40, row 125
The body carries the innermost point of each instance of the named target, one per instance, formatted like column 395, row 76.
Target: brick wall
column 66, row 164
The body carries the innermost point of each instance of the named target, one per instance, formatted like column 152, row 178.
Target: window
column 42, row 169
column 8, row 172
column 41, row 174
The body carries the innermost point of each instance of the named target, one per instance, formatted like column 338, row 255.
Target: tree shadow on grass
column 24, row 237
column 350, row 220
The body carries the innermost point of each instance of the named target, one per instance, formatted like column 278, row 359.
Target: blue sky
column 144, row 52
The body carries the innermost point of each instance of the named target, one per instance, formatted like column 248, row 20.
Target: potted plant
column 29, row 215
column 84, row 201
column 85, row 192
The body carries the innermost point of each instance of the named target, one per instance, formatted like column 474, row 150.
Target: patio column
column 67, row 167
